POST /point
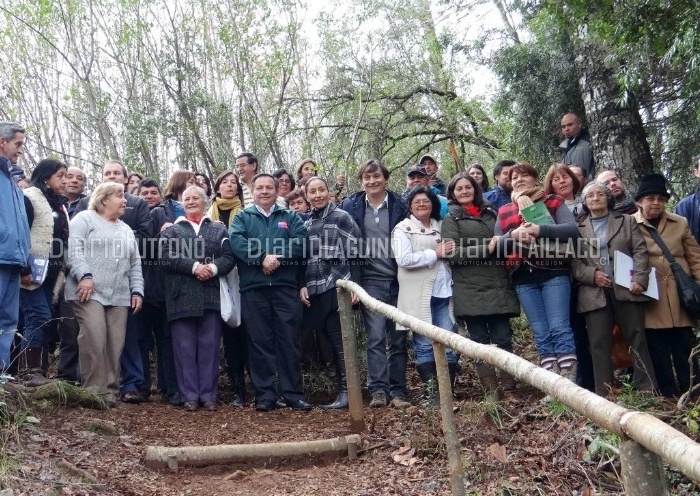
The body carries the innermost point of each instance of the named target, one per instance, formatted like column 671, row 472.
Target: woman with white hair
column 197, row 253
column 604, row 303
column 105, row 280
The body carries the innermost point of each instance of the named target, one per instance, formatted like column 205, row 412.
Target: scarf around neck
column 527, row 197
column 232, row 204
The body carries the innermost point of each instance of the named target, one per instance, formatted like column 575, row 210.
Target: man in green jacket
column 268, row 243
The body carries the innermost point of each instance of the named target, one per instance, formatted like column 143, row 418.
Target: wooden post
column 642, row 471
column 352, row 368
column 448, row 420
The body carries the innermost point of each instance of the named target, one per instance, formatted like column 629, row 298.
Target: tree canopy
column 190, row 85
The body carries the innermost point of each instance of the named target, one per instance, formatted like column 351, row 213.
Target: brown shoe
column 378, row 400
column 399, row 402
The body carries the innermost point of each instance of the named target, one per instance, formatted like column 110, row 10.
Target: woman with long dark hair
column 48, row 222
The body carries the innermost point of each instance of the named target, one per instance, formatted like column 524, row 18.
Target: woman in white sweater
column 105, row 280
column 425, row 281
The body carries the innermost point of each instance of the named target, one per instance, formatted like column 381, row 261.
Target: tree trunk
column 618, row 138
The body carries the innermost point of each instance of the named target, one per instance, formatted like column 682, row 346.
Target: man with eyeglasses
column 247, row 167
column 377, row 211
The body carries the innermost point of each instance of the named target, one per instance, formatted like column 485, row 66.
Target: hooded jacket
column 14, row 228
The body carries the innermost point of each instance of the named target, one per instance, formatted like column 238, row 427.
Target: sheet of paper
column 624, row 270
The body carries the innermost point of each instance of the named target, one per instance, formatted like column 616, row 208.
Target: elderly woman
column 333, row 241
column 541, row 278
column 48, row 223
column 483, row 296
column 197, row 252
column 604, row 303
column 669, row 328
column 425, row 281
column 104, row 281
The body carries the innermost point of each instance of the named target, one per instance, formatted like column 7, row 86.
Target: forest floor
column 522, row 448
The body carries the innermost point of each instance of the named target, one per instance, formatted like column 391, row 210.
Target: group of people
column 134, row 267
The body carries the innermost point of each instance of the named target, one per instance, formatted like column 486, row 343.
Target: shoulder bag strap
column 654, row 234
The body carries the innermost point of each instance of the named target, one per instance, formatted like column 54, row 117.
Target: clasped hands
column 203, row 272
column 525, row 233
column 445, row 248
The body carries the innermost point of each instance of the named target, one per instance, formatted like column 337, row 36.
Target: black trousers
column 272, row 316
column 236, row 353
column 68, row 329
column 670, row 352
column 154, row 332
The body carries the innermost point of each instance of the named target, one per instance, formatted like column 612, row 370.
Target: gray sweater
column 109, row 252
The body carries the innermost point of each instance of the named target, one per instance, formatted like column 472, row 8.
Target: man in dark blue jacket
column 376, row 211
column 689, row 207
column 500, row 193
column 268, row 243
column 14, row 237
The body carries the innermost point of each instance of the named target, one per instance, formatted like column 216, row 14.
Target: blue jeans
column 386, row 369
column 36, row 307
column 546, row 306
column 9, row 311
column 440, row 315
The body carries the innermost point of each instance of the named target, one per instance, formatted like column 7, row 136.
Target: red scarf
column 474, row 211
column 196, row 220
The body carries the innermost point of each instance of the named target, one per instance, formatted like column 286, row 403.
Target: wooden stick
column 352, row 367
column 210, row 455
column 448, row 420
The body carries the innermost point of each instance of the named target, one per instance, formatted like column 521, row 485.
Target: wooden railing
column 646, row 440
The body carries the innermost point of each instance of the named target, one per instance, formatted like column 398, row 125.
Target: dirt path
column 513, row 449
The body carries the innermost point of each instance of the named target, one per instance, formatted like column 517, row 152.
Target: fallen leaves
column 404, row 456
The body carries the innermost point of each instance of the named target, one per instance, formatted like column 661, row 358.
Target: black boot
column 428, row 375
column 340, row 403
column 30, row 366
column 453, row 368
column 336, row 339
column 239, row 391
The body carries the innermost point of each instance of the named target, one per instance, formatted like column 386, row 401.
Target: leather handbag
column 688, row 289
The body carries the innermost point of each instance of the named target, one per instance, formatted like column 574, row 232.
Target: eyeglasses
column 421, row 202
column 595, row 195
column 284, row 181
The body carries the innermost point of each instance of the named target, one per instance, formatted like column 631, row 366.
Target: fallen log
column 173, row 457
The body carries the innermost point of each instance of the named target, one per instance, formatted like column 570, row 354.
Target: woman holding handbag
column 669, row 327
column 197, row 252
